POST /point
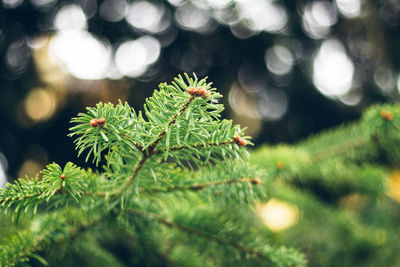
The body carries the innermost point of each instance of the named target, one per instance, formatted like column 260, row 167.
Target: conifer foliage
column 175, row 190
column 345, row 185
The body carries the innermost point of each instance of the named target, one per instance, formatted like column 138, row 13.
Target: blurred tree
column 336, row 195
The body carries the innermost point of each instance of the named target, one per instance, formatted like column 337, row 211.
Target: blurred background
column 287, row 68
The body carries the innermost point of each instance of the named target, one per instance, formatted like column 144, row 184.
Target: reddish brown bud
column 191, row 91
column 236, row 138
column 94, row 122
column 201, row 91
column 62, row 176
column 102, row 120
column 208, row 94
column 242, row 142
column 256, row 180
column 386, row 115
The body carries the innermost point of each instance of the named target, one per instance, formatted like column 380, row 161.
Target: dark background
column 263, row 55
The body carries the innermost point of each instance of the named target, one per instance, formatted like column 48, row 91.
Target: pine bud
column 208, row 94
column 62, row 176
column 102, row 121
column 94, row 122
column 201, row 91
column 191, row 91
column 242, row 142
column 256, row 180
column 386, row 115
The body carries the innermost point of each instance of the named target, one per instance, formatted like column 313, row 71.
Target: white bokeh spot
column 333, row 70
column 133, row 57
column 81, row 53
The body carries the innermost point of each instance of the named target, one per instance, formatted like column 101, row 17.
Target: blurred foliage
column 344, row 185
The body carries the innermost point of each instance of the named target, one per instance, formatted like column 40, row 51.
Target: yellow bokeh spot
column 393, row 185
column 30, row 168
column 49, row 69
column 278, row 215
column 40, row 104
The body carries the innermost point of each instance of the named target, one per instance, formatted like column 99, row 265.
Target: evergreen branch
column 116, row 120
column 71, row 181
column 127, row 138
column 339, row 149
column 183, row 126
column 196, row 187
column 146, row 154
column 174, row 148
column 152, row 146
column 239, row 247
column 378, row 121
column 165, row 257
column 24, row 244
column 39, row 195
column 196, row 146
column 136, row 170
column 42, row 195
column 24, row 254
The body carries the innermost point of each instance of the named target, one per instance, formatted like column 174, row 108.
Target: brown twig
column 355, row 143
column 146, row 154
column 200, row 145
column 190, row 230
column 161, row 135
column 40, row 241
column 196, row 187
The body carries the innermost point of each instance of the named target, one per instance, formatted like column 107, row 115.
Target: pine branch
column 197, row 187
column 39, row 195
column 153, row 145
column 71, row 181
column 151, row 148
column 179, row 127
column 181, row 147
column 24, row 244
column 240, row 247
column 165, row 257
column 128, row 139
column 339, row 149
column 197, row 146
column 379, row 123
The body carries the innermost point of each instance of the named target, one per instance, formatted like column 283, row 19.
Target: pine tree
column 175, row 190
